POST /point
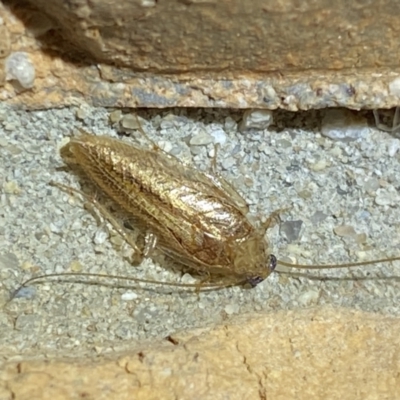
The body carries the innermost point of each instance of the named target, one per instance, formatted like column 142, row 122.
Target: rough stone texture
column 317, row 55
column 44, row 230
column 255, row 54
column 218, row 35
column 318, row 354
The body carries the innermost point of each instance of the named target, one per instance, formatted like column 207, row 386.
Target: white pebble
column 308, row 297
column 54, row 228
column 19, row 67
column 129, row 296
column 100, row 236
column 165, row 145
column 187, row 278
column 148, row 3
column 232, row 309
column 256, row 119
column 219, row 136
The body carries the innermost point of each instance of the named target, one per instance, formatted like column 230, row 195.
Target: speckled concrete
column 343, row 205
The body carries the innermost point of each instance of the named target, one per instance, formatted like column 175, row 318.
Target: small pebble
column 284, row 143
column 319, row 165
column 100, row 236
column 11, row 187
column 55, row 228
column 129, row 296
column 344, row 231
column 228, row 163
column 75, row 266
column 305, row 194
column 168, row 122
column 256, row 119
column 165, row 145
column 81, row 114
column 219, row 136
column 116, row 239
column 129, row 121
column 361, row 238
column 26, row 292
column 371, row 185
column 230, row 124
column 308, row 297
column 115, row 116
column 232, row 309
column 248, row 181
column 196, row 150
column 19, row 67
column 291, row 229
column 318, row 217
column 187, row 278
column 201, row 138
column 76, row 225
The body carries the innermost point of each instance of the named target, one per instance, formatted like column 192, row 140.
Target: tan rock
column 318, row 354
column 252, row 54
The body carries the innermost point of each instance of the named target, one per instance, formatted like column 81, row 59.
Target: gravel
column 323, row 185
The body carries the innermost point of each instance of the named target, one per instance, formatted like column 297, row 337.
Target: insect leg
column 150, row 244
column 103, row 212
column 213, row 166
column 200, row 284
column 378, row 122
column 395, row 124
column 274, row 218
column 156, row 147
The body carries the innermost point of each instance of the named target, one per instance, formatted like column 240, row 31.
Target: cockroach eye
column 272, row 262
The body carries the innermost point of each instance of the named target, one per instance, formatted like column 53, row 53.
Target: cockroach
column 196, row 218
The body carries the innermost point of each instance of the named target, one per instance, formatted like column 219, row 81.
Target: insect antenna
column 200, row 287
column 345, row 265
column 145, row 135
column 341, row 278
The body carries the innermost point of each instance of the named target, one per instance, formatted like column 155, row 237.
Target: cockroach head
column 253, row 281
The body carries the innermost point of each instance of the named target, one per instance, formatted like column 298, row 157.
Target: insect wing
column 194, row 215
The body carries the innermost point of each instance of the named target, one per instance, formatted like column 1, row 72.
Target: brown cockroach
column 196, row 218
